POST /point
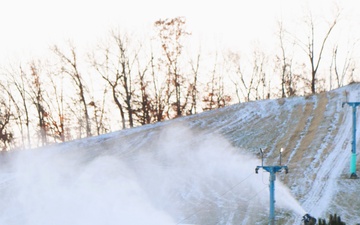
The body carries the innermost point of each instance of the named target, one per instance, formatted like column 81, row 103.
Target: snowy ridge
column 194, row 170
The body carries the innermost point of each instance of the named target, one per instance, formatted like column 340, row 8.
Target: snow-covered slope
column 194, row 170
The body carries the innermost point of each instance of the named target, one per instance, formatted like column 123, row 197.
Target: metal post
column 272, row 197
column 272, row 170
column 353, row 142
column 353, row 150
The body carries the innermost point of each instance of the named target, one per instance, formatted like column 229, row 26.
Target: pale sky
column 29, row 27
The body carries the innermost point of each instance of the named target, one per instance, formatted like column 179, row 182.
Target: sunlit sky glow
column 31, row 27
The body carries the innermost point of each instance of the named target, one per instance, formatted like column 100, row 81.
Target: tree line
column 124, row 82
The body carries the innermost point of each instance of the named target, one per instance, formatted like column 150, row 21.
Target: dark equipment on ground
column 333, row 220
column 309, row 220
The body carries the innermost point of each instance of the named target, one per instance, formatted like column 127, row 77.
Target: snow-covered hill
column 194, row 170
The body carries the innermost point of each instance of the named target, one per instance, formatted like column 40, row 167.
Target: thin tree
column 248, row 83
column 57, row 116
column 116, row 65
column 99, row 113
column 215, row 96
column 161, row 92
column 125, row 64
column 193, row 87
column 171, row 34
column 236, row 75
column 144, row 112
column 70, row 67
column 259, row 75
column 342, row 68
column 284, row 61
column 35, row 91
column 105, row 70
column 6, row 135
column 15, row 108
column 16, row 88
column 314, row 47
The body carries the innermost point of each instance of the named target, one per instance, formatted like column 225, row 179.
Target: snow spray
column 286, row 200
column 167, row 177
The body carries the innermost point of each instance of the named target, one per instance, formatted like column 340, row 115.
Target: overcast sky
column 31, row 26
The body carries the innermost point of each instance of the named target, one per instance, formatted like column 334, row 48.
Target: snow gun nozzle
column 308, row 220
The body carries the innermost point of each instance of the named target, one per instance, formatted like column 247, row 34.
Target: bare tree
column 310, row 47
column 70, row 67
column 215, row 96
column 209, row 98
column 16, row 89
column 125, row 65
column 6, row 135
column 193, row 87
column 171, row 34
column 342, row 68
column 284, row 61
column 13, row 107
column 161, row 91
column 116, row 68
column 259, row 75
column 57, row 115
column 236, row 75
column 104, row 69
column 35, row 91
column 99, row 113
column 144, row 111
column 47, row 93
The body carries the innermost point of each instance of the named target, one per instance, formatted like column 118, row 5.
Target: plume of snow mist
column 175, row 176
column 200, row 178
column 52, row 188
column 286, row 199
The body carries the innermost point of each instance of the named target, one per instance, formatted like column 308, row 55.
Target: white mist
column 287, row 201
column 179, row 176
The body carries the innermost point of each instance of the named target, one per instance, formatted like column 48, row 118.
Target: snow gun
column 308, row 220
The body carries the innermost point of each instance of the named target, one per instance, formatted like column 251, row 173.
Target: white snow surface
column 198, row 169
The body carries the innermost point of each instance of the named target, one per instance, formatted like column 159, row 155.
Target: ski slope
column 198, row 169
